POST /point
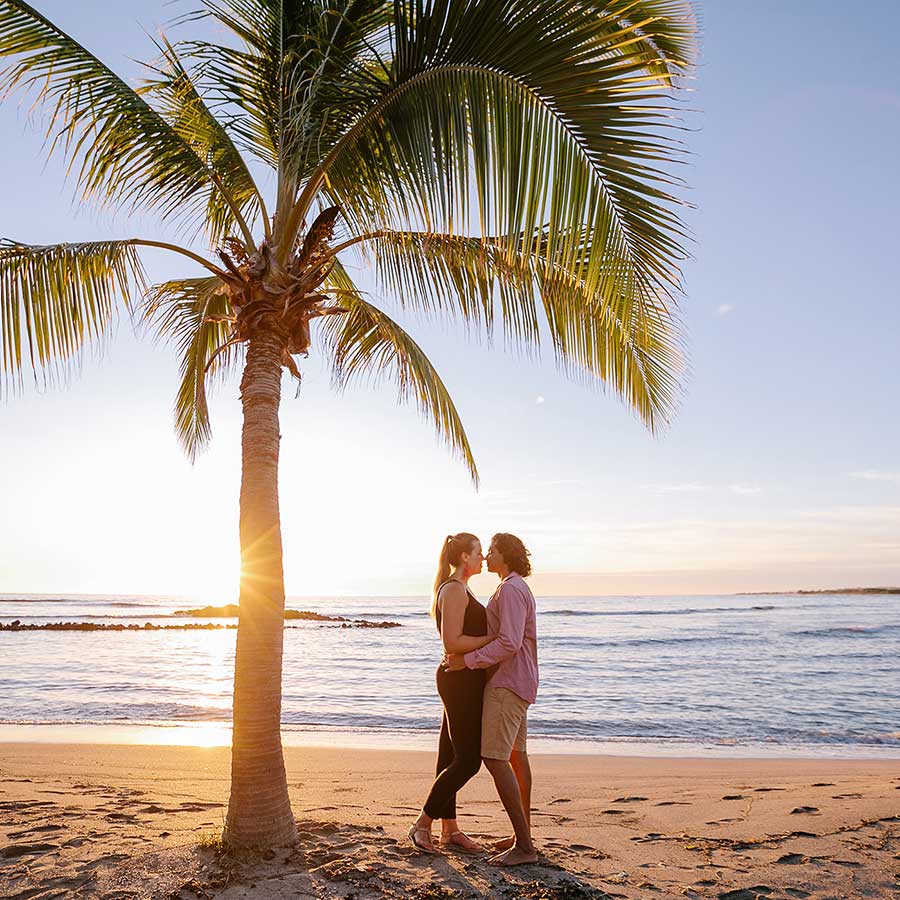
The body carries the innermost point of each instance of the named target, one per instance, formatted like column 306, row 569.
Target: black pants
column 459, row 749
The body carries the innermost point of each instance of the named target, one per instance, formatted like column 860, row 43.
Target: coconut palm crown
column 499, row 161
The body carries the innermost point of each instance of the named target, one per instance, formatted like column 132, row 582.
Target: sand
column 139, row 822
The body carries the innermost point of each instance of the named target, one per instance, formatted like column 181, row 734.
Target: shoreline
column 218, row 735
column 91, row 819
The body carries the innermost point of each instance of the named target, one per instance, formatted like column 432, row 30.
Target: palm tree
column 497, row 159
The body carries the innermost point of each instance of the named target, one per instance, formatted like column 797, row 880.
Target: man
column 511, row 688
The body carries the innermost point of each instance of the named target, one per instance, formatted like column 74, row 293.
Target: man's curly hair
column 514, row 553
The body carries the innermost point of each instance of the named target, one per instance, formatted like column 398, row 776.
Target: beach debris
column 436, row 892
column 565, row 889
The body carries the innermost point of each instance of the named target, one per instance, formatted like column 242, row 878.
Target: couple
column 487, row 680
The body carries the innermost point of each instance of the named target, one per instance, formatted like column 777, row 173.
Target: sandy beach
column 113, row 821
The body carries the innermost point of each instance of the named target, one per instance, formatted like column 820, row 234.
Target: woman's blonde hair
column 451, row 556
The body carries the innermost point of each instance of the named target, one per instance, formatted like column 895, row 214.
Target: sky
column 781, row 469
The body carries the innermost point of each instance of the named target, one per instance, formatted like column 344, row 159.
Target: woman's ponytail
column 443, row 571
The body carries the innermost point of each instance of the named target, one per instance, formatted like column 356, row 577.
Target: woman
column 462, row 623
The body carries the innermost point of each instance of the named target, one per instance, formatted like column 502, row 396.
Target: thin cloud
column 745, row 490
column 538, row 400
column 723, row 309
column 876, row 475
column 689, row 487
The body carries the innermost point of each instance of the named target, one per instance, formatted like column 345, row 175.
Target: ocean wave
column 688, row 611
column 569, row 642
column 74, row 601
column 846, row 631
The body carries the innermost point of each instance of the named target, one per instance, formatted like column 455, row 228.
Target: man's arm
column 509, row 637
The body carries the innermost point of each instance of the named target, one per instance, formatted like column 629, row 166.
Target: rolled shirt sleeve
column 513, row 610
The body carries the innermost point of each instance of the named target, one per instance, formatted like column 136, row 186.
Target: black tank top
column 475, row 619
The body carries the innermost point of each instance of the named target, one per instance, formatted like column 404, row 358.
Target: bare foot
column 506, row 844
column 515, row 857
column 456, row 840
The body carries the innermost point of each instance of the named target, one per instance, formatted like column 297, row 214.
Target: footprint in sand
column 77, row 842
column 35, row 830
column 15, row 805
column 757, row 892
column 102, row 861
column 13, row 851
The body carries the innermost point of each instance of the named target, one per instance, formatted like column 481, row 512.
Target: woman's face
column 474, row 560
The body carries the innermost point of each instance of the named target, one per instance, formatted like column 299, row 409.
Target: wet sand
column 108, row 821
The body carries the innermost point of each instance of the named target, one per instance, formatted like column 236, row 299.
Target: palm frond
column 302, row 73
column 174, row 94
column 124, row 152
column 366, row 342
column 634, row 349
column 57, row 299
column 548, row 130
column 195, row 313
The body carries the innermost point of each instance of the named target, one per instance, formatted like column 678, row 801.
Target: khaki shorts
column 504, row 723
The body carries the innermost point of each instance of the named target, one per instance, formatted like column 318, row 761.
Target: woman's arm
column 453, row 602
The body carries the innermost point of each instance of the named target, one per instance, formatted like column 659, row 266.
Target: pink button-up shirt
column 512, row 621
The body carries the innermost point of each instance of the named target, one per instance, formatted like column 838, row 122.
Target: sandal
column 423, row 848
column 453, row 845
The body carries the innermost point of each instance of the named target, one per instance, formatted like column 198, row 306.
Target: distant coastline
column 232, row 611
column 849, row 590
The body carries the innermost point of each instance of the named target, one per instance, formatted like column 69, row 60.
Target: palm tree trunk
column 259, row 811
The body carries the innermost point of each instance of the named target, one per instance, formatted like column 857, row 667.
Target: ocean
column 746, row 675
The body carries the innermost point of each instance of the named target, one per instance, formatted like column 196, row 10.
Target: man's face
column 494, row 559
